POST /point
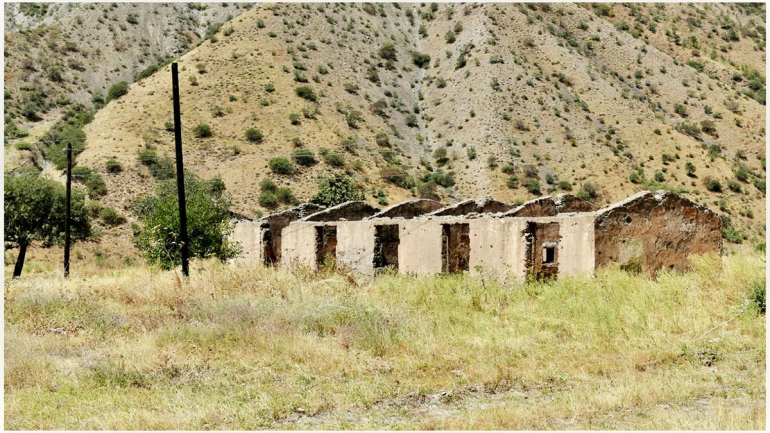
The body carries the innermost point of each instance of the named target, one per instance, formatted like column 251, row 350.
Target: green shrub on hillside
column 95, row 185
column 267, row 199
column 113, row 166
column 334, row 159
column 254, row 135
column 111, row 217
column 202, row 130
column 337, row 189
column 420, row 59
column 281, row 165
column 286, row 196
column 306, row 92
column 713, row 185
column 117, row 90
column 533, row 186
column 304, row 157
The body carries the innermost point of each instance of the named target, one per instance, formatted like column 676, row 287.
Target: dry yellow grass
column 252, row 347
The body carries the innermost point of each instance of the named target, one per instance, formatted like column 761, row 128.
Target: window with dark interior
column 549, row 254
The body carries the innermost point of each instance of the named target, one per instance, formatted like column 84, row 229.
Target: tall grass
column 251, row 347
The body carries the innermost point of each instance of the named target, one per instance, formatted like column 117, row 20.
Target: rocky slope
column 607, row 98
column 59, row 53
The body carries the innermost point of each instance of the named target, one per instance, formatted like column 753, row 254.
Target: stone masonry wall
column 647, row 232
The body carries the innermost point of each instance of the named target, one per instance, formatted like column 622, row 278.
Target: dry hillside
column 612, row 97
column 59, row 53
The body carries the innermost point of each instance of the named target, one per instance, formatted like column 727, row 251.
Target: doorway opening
column 325, row 245
column 455, row 248
column 386, row 241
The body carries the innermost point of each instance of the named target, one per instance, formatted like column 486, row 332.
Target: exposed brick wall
column 653, row 231
column 536, row 235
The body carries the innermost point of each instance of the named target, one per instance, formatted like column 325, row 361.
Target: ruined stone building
column 546, row 237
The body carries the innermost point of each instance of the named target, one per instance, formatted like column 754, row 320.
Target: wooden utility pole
column 180, row 171
column 67, row 212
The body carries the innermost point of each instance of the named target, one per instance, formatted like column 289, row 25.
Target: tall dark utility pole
column 67, row 212
column 180, row 171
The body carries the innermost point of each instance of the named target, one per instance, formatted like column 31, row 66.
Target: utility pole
column 67, row 212
column 180, row 170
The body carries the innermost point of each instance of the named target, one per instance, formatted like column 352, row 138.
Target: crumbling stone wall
column 410, row 209
column 545, row 237
column 647, row 232
column 473, row 206
column 348, row 211
column 272, row 226
column 551, row 206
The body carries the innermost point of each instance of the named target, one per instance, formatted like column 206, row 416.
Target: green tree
column 208, row 222
column 337, row 189
column 34, row 210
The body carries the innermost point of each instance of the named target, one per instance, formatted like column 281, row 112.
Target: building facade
column 544, row 238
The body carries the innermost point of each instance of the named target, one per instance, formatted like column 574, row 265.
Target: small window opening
column 548, row 255
column 549, row 252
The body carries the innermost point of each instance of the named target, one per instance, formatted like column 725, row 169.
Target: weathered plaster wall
column 576, row 248
column 420, row 249
column 298, row 246
column 653, row 231
column 249, row 235
column 497, row 246
column 355, row 245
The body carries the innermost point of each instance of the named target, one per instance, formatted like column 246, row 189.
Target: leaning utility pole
column 180, row 170
column 67, row 212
